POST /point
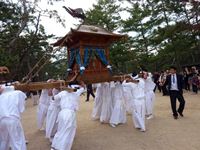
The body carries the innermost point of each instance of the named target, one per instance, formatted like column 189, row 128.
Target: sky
column 51, row 26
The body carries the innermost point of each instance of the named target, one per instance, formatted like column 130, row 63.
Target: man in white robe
column 11, row 106
column 118, row 115
column 69, row 103
column 52, row 114
column 96, row 113
column 138, row 102
column 43, row 105
column 149, row 95
column 107, row 105
column 42, row 109
column 34, row 97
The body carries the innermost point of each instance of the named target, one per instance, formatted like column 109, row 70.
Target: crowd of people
column 133, row 96
column 191, row 80
column 56, row 114
column 56, row 110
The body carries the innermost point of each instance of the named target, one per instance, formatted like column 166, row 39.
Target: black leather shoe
column 181, row 114
column 175, row 117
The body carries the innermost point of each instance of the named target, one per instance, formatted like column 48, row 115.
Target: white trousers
column 138, row 114
column 149, row 102
column 65, row 134
column 11, row 134
column 41, row 115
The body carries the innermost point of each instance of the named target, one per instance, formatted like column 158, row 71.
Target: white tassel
column 109, row 67
column 82, row 68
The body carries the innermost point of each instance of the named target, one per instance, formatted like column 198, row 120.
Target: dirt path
column 163, row 132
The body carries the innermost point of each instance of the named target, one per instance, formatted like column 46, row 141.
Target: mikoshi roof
column 86, row 30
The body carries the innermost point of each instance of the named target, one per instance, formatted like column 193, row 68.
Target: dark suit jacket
column 89, row 88
column 179, row 82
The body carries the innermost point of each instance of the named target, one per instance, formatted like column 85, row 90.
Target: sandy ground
column 163, row 132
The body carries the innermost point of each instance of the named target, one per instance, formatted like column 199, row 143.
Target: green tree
column 23, row 40
column 105, row 14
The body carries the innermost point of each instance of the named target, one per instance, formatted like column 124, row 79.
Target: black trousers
column 164, row 90
column 177, row 95
column 187, row 85
column 194, row 88
column 90, row 92
column 157, row 86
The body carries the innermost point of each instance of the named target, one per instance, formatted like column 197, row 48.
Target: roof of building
column 86, row 30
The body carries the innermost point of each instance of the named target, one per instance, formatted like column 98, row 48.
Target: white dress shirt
column 174, row 84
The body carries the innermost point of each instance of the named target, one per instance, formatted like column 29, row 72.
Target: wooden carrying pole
column 35, row 86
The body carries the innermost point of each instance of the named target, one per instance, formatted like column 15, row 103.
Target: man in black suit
column 89, row 91
column 174, row 82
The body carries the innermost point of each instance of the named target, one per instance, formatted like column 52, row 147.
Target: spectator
column 89, row 91
column 156, row 77
column 162, row 81
column 195, row 80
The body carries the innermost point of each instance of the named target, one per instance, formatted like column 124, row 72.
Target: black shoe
column 86, row 100
column 175, row 117
column 181, row 114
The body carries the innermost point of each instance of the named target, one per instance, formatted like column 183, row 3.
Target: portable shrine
column 88, row 52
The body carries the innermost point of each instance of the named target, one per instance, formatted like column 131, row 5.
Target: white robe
column 11, row 131
column 119, row 111
column 112, row 91
column 35, row 98
column 128, row 98
column 138, row 104
column 107, row 105
column 150, row 95
column 96, row 113
column 65, row 134
column 52, row 115
column 44, row 101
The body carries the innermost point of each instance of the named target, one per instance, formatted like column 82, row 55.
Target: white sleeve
column 126, row 84
column 58, row 96
column 112, row 84
column 130, row 84
column 152, row 85
column 80, row 91
column 21, row 100
column 142, row 85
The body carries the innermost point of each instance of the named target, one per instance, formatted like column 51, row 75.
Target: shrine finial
column 76, row 13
